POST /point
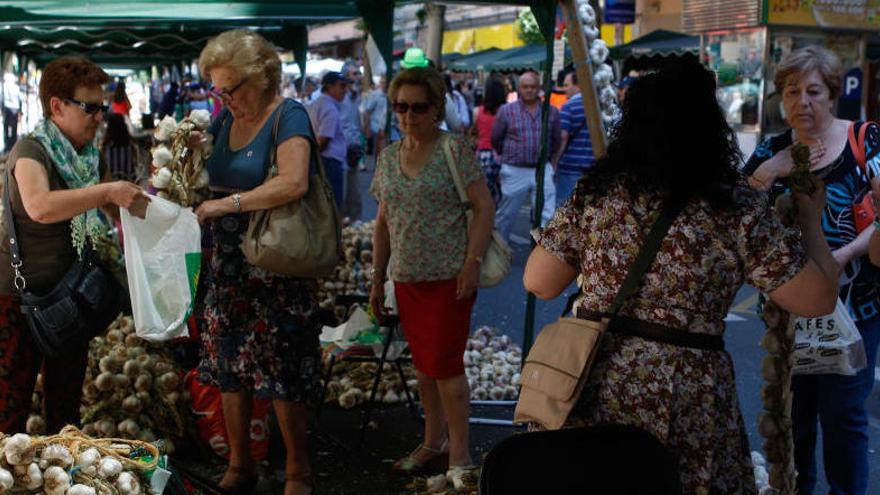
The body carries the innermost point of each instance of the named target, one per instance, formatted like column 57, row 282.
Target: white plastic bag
column 828, row 344
column 163, row 258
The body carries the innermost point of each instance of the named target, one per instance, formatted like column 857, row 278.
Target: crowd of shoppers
column 260, row 337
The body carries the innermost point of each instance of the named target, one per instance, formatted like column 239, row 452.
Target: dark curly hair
column 672, row 137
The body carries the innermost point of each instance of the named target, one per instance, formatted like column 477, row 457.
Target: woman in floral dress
column 725, row 236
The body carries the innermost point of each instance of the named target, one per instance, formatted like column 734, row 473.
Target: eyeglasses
column 226, row 94
column 403, row 107
column 89, row 108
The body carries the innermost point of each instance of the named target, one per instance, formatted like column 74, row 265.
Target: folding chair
column 603, row 459
column 392, row 326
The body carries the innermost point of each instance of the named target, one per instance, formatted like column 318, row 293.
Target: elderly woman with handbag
column 262, row 329
column 422, row 229
column 846, row 156
column 661, row 364
column 56, row 180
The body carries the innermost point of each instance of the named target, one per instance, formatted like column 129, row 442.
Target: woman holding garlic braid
column 846, row 156
column 261, row 337
column 57, row 181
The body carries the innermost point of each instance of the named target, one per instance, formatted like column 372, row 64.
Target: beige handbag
column 497, row 260
column 301, row 238
column 558, row 365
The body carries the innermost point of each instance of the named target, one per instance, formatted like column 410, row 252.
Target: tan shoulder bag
column 558, row 365
column 301, row 238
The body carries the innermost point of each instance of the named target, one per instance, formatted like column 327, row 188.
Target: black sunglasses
column 89, row 108
column 402, row 107
column 227, row 93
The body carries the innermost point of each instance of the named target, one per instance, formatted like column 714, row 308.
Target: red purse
column 863, row 210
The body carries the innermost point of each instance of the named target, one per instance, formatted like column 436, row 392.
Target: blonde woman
column 421, row 229
column 262, row 332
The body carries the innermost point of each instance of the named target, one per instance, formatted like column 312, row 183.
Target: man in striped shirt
column 516, row 137
column 576, row 149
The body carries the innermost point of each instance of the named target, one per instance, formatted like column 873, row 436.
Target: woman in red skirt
column 422, row 230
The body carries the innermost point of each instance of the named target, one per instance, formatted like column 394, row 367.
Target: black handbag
column 82, row 304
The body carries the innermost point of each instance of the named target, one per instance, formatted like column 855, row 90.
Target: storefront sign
column 619, row 12
column 846, row 14
column 850, row 104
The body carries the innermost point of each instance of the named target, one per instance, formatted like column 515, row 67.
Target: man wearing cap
column 516, row 137
column 326, row 119
column 351, row 128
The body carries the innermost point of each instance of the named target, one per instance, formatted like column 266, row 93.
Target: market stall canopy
column 660, row 42
column 475, row 61
column 522, row 58
column 144, row 33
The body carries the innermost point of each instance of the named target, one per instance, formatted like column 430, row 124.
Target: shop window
column 737, row 58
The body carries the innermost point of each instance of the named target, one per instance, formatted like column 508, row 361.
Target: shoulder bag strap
column 314, row 153
column 273, row 151
column 647, row 254
column 453, row 169
column 14, row 253
column 854, row 145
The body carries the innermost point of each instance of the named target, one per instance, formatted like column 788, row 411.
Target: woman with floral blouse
column 663, row 381
column 422, row 230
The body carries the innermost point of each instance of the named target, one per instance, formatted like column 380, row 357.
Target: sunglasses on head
column 89, row 108
column 402, row 107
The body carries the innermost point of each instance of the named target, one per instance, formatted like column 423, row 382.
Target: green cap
column 414, row 57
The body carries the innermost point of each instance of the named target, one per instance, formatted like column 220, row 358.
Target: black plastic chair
column 600, row 460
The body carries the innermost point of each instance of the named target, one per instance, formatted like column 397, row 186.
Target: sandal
column 462, row 476
column 304, row 477
column 247, row 479
column 413, row 463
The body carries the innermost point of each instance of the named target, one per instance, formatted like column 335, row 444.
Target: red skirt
column 436, row 325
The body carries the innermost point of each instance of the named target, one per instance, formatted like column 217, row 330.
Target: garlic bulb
column 129, row 428
column 132, row 405
column 109, row 468
column 201, row 118
column 161, row 178
column 17, row 449
column 56, row 455
column 105, row 381
column 30, row 476
column 128, row 484
column 6, row 480
column 132, row 368
column 80, row 489
column 36, row 425
column 55, row 481
column 88, row 461
column 168, row 381
column 166, row 127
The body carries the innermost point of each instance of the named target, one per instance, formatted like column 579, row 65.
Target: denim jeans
column 565, row 184
column 838, row 402
column 335, row 170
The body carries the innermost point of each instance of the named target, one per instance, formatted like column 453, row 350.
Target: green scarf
column 78, row 170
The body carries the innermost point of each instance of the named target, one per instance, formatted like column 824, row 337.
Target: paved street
column 504, row 307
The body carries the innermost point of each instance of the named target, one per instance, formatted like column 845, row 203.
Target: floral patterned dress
column 262, row 330
column 685, row 397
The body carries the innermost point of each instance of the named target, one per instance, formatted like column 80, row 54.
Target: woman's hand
column 780, row 165
column 214, row 208
column 124, row 194
column 377, row 300
column 196, row 140
column 468, row 279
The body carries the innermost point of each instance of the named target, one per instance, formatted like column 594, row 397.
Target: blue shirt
column 578, row 156
column 246, row 168
column 326, row 118
column 351, row 118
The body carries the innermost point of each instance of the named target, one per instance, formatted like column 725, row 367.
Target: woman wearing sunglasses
column 421, row 228
column 261, row 336
column 57, row 182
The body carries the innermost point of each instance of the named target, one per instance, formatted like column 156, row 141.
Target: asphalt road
column 504, row 306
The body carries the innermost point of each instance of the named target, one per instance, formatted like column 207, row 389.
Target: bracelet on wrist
column 477, row 259
column 236, row 202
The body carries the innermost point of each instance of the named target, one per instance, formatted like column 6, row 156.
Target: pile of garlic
column 132, row 389
column 38, row 465
column 353, row 276
column 180, row 172
column 351, row 383
column 492, row 364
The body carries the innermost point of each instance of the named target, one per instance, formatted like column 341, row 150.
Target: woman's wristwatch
column 236, row 202
column 377, row 275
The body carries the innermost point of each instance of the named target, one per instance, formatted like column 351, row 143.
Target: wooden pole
column 434, row 45
column 584, row 70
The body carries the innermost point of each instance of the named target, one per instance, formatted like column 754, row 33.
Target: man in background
column 354, row 141
column 375, row 115
column 576, row 149
column 326, row 119
column 11, row 109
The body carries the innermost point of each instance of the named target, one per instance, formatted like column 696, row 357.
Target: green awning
column 657, row 43
column 521, row 58
column 475, row 61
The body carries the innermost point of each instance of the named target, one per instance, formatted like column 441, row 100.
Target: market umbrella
column 660, row 42
column 475, row 61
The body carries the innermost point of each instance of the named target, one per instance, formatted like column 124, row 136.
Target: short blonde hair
column 245, row 52
column 426, row 77
column 807, row 59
